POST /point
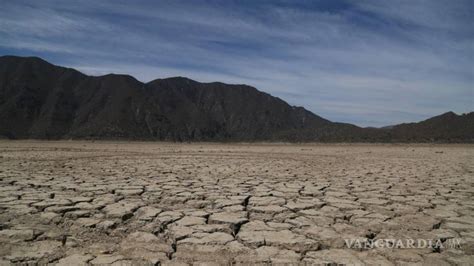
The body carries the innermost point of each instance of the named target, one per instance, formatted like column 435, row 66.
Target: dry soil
column 127, row 203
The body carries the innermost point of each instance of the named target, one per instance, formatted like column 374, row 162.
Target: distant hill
column 43, row 101
column 448, row 127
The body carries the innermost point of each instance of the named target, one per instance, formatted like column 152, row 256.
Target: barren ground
column 142, row 203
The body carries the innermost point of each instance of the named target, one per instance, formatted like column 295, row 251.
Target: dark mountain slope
column 220, row 111
column 33, row 101
column 41, row 100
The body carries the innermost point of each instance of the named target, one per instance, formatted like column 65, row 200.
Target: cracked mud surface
column 101, row 203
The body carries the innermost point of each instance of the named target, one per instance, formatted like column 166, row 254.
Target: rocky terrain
column 39, row 100
column 122, row 203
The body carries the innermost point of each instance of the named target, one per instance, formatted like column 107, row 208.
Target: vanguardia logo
column 453, row 243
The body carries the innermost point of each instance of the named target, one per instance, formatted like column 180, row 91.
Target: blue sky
column 371, row 63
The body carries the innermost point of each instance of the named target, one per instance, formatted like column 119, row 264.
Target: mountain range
column 39, row 100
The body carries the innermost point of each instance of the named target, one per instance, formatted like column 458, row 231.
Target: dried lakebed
column 121, row 203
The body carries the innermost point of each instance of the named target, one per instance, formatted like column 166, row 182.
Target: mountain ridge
column 45, row 101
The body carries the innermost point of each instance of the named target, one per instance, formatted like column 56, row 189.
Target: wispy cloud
column 371, row 63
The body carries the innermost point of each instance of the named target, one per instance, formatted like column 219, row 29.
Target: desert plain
column 150, row 203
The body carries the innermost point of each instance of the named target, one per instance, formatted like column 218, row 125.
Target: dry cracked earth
column 120, row 203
